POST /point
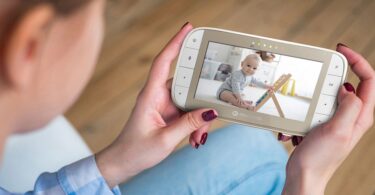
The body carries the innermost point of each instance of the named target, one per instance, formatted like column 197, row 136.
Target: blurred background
column 138, row 29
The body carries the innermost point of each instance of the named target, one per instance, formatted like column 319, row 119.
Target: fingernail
column 209, row 115
column 185, row 25
column 196, row 146
column 341, row 44
column 294, row 141
column 349, row 87
column 204, row 138
column 279, row 136
column 282, row 137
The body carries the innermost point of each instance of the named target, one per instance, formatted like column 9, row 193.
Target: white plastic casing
column 185, row 66
column 188, row 56
column 327, row 99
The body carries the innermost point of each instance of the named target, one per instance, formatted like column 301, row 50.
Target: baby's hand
column 240, row 101
column 252, row 108
column 246, row 104
column 249, row 102
column 271, row 88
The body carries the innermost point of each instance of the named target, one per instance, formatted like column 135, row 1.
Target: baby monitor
column 258, row 81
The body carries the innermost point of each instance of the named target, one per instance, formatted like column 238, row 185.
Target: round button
column 235, row 113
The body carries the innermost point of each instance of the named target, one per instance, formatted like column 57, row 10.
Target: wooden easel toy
column 270, row 94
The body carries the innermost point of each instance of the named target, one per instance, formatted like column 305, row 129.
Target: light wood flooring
column 137, row 30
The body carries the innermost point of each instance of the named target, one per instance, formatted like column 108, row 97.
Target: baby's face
column 249, row 66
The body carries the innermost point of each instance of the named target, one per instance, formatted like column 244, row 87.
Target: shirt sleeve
column 82, row 177
column 257, row 82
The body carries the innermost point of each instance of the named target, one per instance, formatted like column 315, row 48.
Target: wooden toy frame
column 271, row 94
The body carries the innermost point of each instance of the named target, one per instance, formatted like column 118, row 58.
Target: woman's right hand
column 156, row 126
column 322, row 151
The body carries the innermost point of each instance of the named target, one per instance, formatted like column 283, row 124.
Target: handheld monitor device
column 258, row 81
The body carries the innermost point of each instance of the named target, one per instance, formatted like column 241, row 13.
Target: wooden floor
column 137, row 30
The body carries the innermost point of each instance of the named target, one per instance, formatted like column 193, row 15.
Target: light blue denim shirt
column 236, row 160
column 82, row 177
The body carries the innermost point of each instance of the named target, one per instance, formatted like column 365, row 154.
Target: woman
column 48, row 49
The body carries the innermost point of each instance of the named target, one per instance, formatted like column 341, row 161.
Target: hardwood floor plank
column 311, row 14
column 369, row 48
column 371, row 58
column 273, row 23
column 361, row 30
column 120, row 45
column 121, row 15
column 324, row 24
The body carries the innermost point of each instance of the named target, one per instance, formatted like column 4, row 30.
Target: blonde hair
column 253, row 57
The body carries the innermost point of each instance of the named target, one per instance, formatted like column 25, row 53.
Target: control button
column 325, row 104
column 235, row 113
column 336, row 67
column 180, row 94
column 331, row 85
column 188, row 58
column 195, row 39
column 184, row 76
column 319, row 119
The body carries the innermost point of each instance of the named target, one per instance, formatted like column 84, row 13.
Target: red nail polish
column 209, row 115
column 185, row 25
column 196, row 146
column 204, row 138
column 282, row 137
column 294, row 141
column 341, row 45
column 279, row 136
column 349, row 87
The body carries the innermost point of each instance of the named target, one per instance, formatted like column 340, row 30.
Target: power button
column 235, row 113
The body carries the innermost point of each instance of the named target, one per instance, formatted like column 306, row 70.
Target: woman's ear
column 23, row 46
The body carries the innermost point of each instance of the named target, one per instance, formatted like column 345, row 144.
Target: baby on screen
column 231, row 90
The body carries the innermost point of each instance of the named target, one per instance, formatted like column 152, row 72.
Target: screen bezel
column 254, row 118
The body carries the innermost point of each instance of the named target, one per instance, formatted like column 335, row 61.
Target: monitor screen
column 258, row 81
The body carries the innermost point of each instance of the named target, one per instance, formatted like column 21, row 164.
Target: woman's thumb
column 190, row 122
column 349, row 107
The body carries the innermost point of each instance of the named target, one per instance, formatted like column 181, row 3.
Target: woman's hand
column 156, row 125
column 322, row 151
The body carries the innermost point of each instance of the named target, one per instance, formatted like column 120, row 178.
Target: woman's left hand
column 156, row 126
column 326, row 146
